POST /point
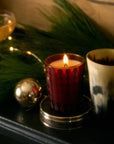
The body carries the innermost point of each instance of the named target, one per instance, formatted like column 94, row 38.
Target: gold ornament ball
column 28, row 92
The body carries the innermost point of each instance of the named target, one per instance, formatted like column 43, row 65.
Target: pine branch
column 76, row 30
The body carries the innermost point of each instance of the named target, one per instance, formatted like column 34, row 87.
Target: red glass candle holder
column 64, row 83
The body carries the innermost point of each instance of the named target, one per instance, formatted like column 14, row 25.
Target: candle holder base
column 55, row 120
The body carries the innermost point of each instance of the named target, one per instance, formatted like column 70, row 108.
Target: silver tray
column 56, row 120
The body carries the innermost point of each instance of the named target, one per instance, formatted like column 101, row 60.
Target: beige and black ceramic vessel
column 100, row 64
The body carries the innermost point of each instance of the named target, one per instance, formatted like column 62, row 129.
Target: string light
column 13, row 49
column 9, row 37
column 30, row 53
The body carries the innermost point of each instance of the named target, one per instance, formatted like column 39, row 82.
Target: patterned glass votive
column 64, row 81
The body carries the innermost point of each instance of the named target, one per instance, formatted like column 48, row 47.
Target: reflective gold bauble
column 28, row 92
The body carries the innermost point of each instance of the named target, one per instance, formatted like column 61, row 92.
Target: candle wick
column 65, row 65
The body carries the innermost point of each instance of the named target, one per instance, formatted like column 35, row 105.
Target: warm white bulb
column 9, row 38
column 11, row 49
column 28, row 52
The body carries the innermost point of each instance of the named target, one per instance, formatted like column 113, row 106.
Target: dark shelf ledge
column 25, row 134
column 25, row 127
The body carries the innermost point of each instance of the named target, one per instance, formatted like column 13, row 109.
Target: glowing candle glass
column 64, row 81
column 7, row 24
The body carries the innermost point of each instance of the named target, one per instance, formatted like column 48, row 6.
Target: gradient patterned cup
column 101, row 78
column 64, row 83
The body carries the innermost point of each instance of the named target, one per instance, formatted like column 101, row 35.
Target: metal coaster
column 55, row 120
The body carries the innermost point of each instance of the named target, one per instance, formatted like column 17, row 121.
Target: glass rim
column 10, row 14
column 100, row 49
column 60, row 55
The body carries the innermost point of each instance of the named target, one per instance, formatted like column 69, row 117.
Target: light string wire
column 11, row 49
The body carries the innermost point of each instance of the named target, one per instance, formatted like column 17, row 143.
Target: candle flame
column 65, row 60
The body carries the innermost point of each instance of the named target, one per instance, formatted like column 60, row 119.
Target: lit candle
column 64, row 77
column 65, row 62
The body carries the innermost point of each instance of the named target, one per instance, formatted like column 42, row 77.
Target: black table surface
column 20, row 126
